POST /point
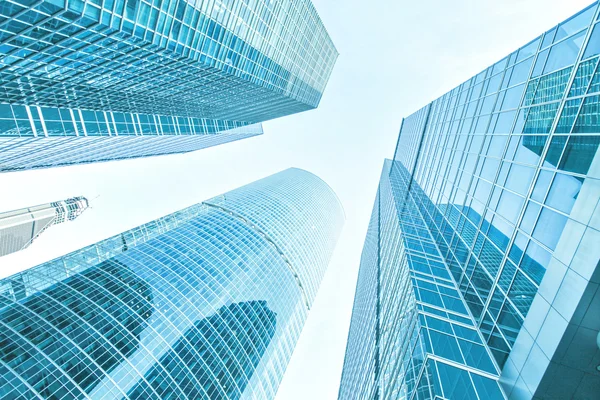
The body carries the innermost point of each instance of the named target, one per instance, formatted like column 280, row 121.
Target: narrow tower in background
column 480, row 274
column 20, row 227
column 87, row 81
column 204, row 303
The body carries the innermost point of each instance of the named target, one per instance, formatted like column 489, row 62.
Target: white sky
column 395, row 56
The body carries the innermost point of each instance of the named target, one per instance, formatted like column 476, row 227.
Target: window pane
column 563, row 193
column 574, row 24
column 593, row 47
column 549, row 227
column 579, row 154
column 564, row 53
column 588, row 120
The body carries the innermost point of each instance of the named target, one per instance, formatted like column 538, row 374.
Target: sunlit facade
column 86, row 81
column 19, row 228
column 205, row 303
column 479, row 276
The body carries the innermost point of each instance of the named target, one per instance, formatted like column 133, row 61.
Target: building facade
column 19, row 228
column 86, row 81
column 479, row 277
column 205, row 303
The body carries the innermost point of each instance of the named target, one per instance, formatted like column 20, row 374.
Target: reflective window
column 593, row 47
column 564, row 53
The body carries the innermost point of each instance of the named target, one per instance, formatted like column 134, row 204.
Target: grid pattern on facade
column 424, row 340
column 31, row 153
column 503, row 172
column 212, row 59
column 85, row 69
column 506, row 154
column 197, row 304
column 286, row 215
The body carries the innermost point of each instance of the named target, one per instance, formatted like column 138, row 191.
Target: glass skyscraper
column 479, row 277
column 19, row 228
column 205, row 303
column 96, row 80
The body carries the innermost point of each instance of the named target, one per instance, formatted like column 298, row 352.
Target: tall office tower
column 20, row 227
column 479, row 277
column 95, row 80
column 205, row 303
column 248, row 341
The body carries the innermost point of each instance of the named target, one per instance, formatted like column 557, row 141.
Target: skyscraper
column 230, row 343
column 205, row 303
column 479, row 277
column 20, row 227
column 86, row 81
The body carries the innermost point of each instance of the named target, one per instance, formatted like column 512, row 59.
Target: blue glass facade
column 204, row 303
column 479, row 276
column 94, row 74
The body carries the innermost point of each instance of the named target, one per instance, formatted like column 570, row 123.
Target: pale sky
column 395, row 56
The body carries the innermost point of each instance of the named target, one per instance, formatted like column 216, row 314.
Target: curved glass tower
column 205, row 303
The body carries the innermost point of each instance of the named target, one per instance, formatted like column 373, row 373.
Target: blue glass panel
column 543, row 181
column 522, row 292
column 574, row 24
column 530, row 217
column 535, row 261
column 509, row 322
column 505, row 122
column 476, row 356
column 540, row 63
column 487, row 388
column 528, row 50
column 593, row 47
column 564, row 53
column 552, row 87
column 466, row 333
column 530, row 92
column 456, row 382
column 519, row 178
column 540, row 119
column 531, row 146
column 579, row 154
column 588, row 120
column 512, row 97
column 569, row 113
column 563, row 192
column 518, row 249
column 582, row 78
column 548, row 38
column 8, row 127
column 520, row 72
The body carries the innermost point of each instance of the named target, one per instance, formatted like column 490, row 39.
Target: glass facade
column 481, row 260
column 205, row 303
column 19, row 228
column 87, row 76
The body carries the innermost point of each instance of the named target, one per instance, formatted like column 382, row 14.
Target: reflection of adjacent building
column 19, row 228
column 488, row 266
column 221, row 352
column 61, row 341
column 422, row 324
column 134, row 315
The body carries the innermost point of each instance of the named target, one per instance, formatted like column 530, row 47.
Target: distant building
column 479, row 278
column 20, row 227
